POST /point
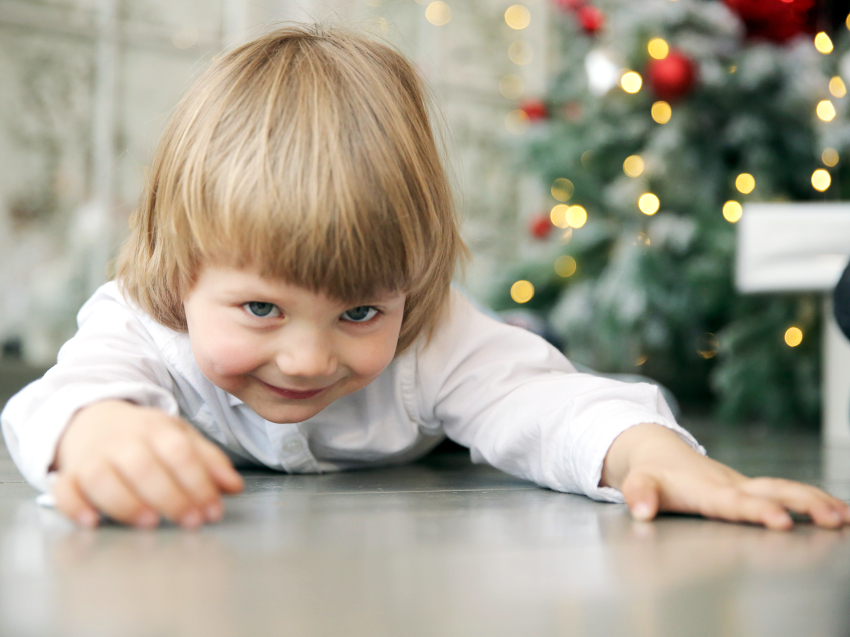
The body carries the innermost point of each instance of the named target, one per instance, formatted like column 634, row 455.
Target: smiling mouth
column 293, row 394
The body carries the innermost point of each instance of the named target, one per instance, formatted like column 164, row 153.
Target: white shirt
column 505, row 393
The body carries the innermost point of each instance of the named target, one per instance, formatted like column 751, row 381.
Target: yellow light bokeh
column 745, row 183
column 586, row 158
column 825, row 110
column 511, row 86
column 517, row 17
column 648, row 203
column 658, row 48
column 562, row 189
column 558, row 216
column 829, row 157
column 565, row 266
column 522, row 291
column 821, row 180
column 836, row 87
column 661, row 112
column 520, row 52
column 633, row 166
column 576, row 216
column 793, row 336
column 631, row 82
column 707, row 345
column 438, row 13
column 823, row 43
column 732, row 211
column 517, row 122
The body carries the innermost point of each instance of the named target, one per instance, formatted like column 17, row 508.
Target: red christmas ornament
column 591, row 19
column 535, row 110
column 673, row 77
column 540, row 226
column 774, row 20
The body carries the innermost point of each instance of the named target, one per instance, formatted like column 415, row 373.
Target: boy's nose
column 309, row 355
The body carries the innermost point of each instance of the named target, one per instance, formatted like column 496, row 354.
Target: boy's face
column 284, row 351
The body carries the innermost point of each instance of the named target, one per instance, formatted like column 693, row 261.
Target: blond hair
column 307, row 155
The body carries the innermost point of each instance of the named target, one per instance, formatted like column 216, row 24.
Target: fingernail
column 781, row 519
column 835, row 517
column 146, row 520
column 641, row 511
column 88, row 518
column 191, row 520
column 214, row 512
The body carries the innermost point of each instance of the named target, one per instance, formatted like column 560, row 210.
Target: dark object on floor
column 841, row 302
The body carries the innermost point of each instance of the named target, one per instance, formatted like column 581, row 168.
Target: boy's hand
column 656, row 471
column 135, row 464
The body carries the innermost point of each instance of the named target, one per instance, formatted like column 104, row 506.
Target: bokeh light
column 511, row 86
column 821, row 180
column 829, row 157
column 576, row 216
column 836, row 87
column 633, row 166
column 648, row 203
column 517, row 17
column 823, row 43
column 631, row 82
column 565, row 266
column 825, row 110
column 522, row 291
column 517, row 122
column 562, row 189
column 558, row 216
column 732, row 211
column 520, row 52
column 707, row 345
column 745, row 183
column 438, row 13
column 793, row 336
column 661, row 112
column 658, row 48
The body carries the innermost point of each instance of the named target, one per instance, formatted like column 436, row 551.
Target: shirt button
column 293, row 446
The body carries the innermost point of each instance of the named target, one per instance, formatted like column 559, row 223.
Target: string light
column 565, row 266
column 821, row 180
column 633, row 166
column 745, row 183
column 511, row 87
column 576, row 216
column 823, row 43
column 517, row 17
column 836, row 87
column 517, row 122
column 793, row 336
column 658, row 48
column 438, row 13
column 829, row 157
column 648, row 203
column 661, row 112
column 522, row 291
column 825, row 110
column 520, row 52
column 631, row 82
column 562, row 189
column 558, row 216
column 732, row 211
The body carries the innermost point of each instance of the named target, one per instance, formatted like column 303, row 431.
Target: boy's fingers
column 106, row 490
column 71, row 502
column 143, row 471
column 219, row 466
column 179, row 454
column 734, row 505
column 641, row 493
column 824, row 509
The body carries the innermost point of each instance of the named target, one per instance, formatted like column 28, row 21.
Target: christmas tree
column 663, row 118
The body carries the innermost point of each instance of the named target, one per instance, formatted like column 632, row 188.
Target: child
column 284, row 300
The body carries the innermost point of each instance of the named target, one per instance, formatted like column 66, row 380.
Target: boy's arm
column 656, row 471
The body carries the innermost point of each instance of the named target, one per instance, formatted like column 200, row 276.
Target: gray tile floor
column 440, row 547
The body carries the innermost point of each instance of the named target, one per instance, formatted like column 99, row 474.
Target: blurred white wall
column 87, row 86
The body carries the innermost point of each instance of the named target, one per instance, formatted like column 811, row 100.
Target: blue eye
column 359, row 314
column 261, row 310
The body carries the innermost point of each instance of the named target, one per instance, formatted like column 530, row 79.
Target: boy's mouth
column 294, row 394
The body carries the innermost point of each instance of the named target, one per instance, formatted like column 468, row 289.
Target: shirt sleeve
column 112, row 356
column 520, row 405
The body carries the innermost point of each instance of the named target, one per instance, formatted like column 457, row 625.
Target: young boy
column 284, row 300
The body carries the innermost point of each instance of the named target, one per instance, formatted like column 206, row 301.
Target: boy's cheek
column 224, row 359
